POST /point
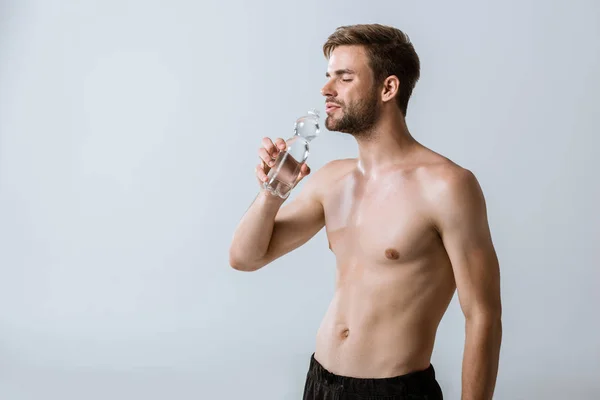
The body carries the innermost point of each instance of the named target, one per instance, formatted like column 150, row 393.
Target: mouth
column 329, row 107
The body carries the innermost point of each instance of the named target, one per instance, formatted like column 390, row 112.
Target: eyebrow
column 341, row 72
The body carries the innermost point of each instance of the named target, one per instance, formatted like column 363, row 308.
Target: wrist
column 269, row 198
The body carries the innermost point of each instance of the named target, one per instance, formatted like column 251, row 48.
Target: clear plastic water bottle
column 284, row 173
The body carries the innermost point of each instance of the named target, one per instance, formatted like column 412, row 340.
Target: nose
column 328, row 90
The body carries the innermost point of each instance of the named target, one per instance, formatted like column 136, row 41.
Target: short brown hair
column 390, row 53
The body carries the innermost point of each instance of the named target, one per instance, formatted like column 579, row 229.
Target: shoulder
column 447, row 179
column 334, row 170
column 440, row 176
column 452, row 192
column 318, row 182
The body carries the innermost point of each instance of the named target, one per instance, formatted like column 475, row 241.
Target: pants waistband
column 412, row 382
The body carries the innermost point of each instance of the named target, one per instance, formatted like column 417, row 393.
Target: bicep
column 466, row 236
column 476, row 272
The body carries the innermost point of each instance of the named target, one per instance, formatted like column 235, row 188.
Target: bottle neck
column 305, row 138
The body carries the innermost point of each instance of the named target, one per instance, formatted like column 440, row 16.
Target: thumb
column 304, row 171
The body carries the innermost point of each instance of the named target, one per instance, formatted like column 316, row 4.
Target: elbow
column 242, row 264
column 489, row 320
column 486, row 327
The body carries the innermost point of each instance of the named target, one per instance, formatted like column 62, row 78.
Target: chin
column 331, row 124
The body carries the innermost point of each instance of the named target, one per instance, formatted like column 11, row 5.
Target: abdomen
column 382, row 321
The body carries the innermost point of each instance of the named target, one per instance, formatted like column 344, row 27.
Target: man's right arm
column 269, row 229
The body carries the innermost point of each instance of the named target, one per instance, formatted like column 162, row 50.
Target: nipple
column 392, row 254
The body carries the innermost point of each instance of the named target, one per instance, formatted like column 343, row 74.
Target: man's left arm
column 463, row 226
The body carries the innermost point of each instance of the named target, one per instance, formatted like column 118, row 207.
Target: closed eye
column 340, row 73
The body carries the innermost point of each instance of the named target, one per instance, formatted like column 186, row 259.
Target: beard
column 358, row 118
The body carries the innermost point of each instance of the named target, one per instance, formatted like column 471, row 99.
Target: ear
column 391, row 85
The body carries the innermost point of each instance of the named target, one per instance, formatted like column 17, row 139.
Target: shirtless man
column 408, row 227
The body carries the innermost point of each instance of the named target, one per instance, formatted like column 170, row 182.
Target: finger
column 260, row 173
column 280, row 144
column 265, row 157
column 268, row 145
column 264, row 167
column 305, row 170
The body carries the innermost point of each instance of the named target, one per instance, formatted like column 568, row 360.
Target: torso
column 394, row 279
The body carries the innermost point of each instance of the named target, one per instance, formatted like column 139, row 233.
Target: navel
column 392, row 254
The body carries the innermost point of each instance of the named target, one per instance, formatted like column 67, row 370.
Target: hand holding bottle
column 269, row 153
column 286, row 160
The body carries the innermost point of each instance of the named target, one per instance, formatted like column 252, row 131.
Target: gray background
column 128, row 138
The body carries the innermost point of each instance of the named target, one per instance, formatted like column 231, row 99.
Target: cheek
column 346, row 97
column 352, row 94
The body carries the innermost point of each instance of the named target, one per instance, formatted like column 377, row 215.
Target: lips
column 331, row 107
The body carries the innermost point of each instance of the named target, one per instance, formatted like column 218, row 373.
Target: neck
column 388, row 143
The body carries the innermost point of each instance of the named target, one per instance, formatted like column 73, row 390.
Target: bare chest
column 384, row 222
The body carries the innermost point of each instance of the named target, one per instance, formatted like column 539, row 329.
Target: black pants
column 324, row 385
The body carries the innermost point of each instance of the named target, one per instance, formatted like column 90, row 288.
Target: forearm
column 253, row 234
column 481, row 356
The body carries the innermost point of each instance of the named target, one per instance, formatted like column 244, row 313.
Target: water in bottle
column 284, row 173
